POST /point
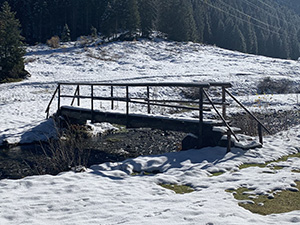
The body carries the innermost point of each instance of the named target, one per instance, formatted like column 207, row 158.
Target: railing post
column 228, row 141
column 92, row 103
column 127, row 105
column 78, row 93
column 200, row 131
column 223, row 102
column 260, row 135
column 148, row 99
column 112, row 95
column 58, row 101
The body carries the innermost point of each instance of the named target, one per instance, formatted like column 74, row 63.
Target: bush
column 269, row 86
column 54, row 42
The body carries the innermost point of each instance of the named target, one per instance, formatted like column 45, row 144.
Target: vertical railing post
column 223, row 102
column 200, row 131
column 78, row 93
column 148, row 99
column 127, row 105
column 58, row 101
column 260, row 135
column 112, row 96
column 228, row 141
column 92, row 103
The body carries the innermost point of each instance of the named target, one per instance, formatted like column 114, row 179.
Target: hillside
column 139, row 61
column 129, row 192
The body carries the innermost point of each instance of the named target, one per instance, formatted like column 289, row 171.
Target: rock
column 189, row 142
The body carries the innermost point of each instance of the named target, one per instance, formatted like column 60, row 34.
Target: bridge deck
column 137, row 120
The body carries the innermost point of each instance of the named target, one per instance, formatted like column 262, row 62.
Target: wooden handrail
column 48, row 107
column 251, row 114
column 75, row 94
column 150, row 84
column 220, row 115
column 179, row 104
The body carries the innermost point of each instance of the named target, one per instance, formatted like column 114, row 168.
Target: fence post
column 200, row 131
column 78, row 93
column 260, row 135
column 127, row 105
column 58, row 101
column 112, row 95
column 148, row 98
column 228, row 141
column 223, row 102
column 92, row 103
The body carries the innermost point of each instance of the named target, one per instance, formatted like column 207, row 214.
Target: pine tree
column 66, row 34
column 109, row 22
column 148, row 10
column 94, row 32
column 132, row 17
column 11, row 46
column 177, row 20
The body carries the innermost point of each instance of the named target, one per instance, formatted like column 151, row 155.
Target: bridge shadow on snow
column 205, row 157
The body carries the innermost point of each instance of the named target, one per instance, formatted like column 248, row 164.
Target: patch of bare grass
column 178, row 189
column 280, row 202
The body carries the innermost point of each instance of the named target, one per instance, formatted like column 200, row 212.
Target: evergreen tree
column 94, row 32
column 199, row 12
column 110, row 23
column 251, row 39
column 148, row 14
column 11, row 46
column 66, row 34
column 177, row 20
column 132, row 17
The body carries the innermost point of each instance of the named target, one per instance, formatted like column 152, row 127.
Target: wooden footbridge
column 123, row 103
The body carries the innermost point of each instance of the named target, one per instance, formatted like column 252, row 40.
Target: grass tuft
column 178, row 189
column 216, row 174
column 282, row 159
column 282, row 202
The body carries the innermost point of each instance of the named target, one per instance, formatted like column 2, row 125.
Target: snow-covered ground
column 107, row 194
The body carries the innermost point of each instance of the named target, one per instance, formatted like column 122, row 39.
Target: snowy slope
column 22, row 104
column 107, row 194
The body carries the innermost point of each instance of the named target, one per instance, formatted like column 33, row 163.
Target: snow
column 107, row 193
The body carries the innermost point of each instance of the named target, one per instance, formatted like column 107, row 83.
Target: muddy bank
column 26, row 160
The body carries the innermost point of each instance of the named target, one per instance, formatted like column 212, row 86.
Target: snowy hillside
column 107, row 193
column 22, row 104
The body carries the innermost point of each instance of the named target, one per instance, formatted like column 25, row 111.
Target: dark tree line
column 266, row 27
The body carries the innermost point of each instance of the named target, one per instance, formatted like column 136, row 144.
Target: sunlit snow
column 107, row 193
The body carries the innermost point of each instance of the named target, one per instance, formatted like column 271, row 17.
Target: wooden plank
column 153, row 84
column 135, row 120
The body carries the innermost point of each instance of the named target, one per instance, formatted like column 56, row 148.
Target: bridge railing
column 200, row 104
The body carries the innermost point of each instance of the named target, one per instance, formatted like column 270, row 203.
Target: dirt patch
column 27, row 160
column 274, row 121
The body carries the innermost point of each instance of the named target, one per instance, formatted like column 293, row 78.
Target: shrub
column 269, row 86
column 67, row 152
column 53, row 42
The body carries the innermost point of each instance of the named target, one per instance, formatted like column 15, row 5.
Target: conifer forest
column 264, row 27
